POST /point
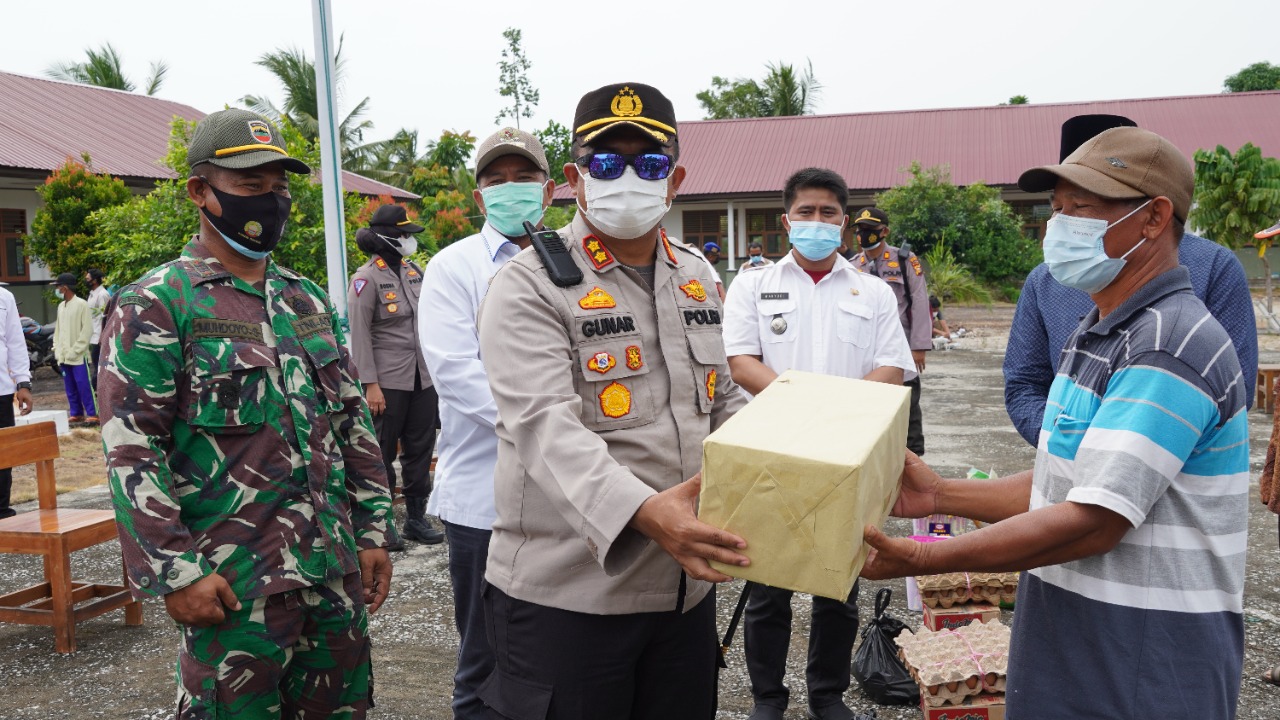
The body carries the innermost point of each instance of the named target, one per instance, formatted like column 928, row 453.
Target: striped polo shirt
column 1146, row 418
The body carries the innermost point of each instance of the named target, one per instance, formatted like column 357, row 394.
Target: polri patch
column 232, row 329
column 695, row 290
column 775, row 296
column 615, row 400
column 309, row 325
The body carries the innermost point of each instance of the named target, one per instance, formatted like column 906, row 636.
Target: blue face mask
column 814, row 240
column 1075, row 254
column 508, row 206
column 757, row 259
column 251, row 254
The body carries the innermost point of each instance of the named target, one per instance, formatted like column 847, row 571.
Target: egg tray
column 959, row 588
column 952, row 665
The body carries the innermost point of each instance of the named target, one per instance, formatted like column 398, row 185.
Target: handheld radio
column 561, row 268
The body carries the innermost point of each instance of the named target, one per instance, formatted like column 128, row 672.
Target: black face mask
column 868, row 238
column 254, row 221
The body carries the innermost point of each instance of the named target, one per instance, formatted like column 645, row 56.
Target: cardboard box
column 800, row 471
column 57, row 417
column 959, row 615
column 980, row 707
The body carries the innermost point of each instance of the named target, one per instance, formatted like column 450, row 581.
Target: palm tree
column 301, row 98
column 103, row 68
column 789, row 93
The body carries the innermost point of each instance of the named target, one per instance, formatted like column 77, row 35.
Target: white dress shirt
column 98, row 299
column 15, row 364
column 846, row 324
column 455, row 281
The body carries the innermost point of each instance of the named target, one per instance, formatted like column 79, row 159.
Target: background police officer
column 906, row 278
column 382, row 304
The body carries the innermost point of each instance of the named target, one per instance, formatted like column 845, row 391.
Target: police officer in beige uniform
column 600, row 601
column 381, row 303
column 906, row 278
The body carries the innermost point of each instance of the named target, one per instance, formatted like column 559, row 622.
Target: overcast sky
column 432, row 64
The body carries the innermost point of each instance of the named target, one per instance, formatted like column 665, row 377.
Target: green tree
column 1235, row 196
column 301, row 108
column 781, row 92
column 62, row 236
column 513, row 80
column 103, row 67
column 1258, row 76
column 1017, row 100
column 557, row 143
column 976, row 225
column 950, row 280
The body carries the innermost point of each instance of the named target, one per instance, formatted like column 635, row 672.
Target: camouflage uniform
column 237, row 441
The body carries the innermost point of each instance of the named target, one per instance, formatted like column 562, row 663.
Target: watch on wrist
column 24, row 385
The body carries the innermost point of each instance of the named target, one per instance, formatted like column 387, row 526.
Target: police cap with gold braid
column 634, row 104
column 239, row 139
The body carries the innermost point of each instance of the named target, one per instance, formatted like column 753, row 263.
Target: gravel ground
column 121, row 672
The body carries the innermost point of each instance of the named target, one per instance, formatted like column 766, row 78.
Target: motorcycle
column 39, row 344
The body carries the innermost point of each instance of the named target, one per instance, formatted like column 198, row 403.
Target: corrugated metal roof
column 993, row 145
column 125, row 134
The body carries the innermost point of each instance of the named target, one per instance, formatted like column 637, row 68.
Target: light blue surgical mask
column 508, row 206
column 814, row 240
column 757, row 259
column 251, row 254
column 1074, row 251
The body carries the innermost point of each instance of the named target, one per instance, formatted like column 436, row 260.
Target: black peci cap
column 394, row 216
column 1080, row 129
column 635, row 104
column 871, row 216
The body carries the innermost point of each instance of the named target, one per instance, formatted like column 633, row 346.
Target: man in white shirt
column 512, row 185
column 98, row 299
column 810, row 311
column 15, row 380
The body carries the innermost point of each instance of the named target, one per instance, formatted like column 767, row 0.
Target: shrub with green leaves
column 62, row 235
column 950, row 280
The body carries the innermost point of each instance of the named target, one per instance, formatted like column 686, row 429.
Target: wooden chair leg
column 132, row 611
column 57, row 569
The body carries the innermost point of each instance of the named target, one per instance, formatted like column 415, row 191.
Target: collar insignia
column 596, row 250
column 666, row 245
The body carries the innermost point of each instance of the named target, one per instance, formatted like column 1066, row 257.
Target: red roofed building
column 736, row 168
column 125, row 134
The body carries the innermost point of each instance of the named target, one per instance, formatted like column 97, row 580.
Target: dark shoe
column 836, row 711
column 421, row 530
column 766, row 712
column 7, row 513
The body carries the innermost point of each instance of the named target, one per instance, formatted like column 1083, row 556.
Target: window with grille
column 13, row 257
column 765, row 227
column 704, row 226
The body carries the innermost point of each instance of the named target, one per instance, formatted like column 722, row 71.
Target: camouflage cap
column 239, row 139
column 511, row 141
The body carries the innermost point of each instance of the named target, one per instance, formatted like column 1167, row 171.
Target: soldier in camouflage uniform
column 248, row 484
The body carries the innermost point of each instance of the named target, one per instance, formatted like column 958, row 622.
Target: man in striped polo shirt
column 1132, row 524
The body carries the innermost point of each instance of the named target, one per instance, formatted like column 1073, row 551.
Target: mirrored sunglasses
column 610, row 166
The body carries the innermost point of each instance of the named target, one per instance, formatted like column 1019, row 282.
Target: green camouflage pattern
column 299, row 654
column 236, row 437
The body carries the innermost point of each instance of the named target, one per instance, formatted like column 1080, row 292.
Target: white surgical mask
column 406, row 246
column 1074, row 251
column 628, row 207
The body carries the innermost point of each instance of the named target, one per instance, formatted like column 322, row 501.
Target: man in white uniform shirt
column 810, row 311
column 512, row 186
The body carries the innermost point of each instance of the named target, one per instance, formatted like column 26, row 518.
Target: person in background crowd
column 1048, row 311
column 906, row 278
column 755, row 258
column 599, row 595
column 811, row 311
column 98, row 298
column 15, row 381
column 1132, row 527
column 71, row 338
column 253, row 499
column 382, row 305
column 711, row 253
column 1269, row 484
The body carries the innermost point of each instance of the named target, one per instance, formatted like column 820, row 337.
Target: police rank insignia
column 260, row 131
column 390, row 295
column 393, row 308
column 915, row 265
column 596, row 250
column 358, row 285
column 711, row 385
column 597, row 299
column 893, row 264
column 695, row 290
column 666, row 245
column 615, row 400
column 380, row 264
column 634, row 361
column 602, row 362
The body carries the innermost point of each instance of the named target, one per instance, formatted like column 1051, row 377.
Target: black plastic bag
column 881, row 674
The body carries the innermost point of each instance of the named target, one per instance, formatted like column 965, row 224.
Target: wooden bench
column 55, row 533
column 1265, row 398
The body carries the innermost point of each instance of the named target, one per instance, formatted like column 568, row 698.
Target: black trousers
column 559, row 665
column 94, row 349
column 6, row 475
column 468, row 555
column 915, row 425
column 767, row 637
column 409, row 421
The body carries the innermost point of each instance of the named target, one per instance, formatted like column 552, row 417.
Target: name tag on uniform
column 233, row 329
column 308, row 325
column 775, row 296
